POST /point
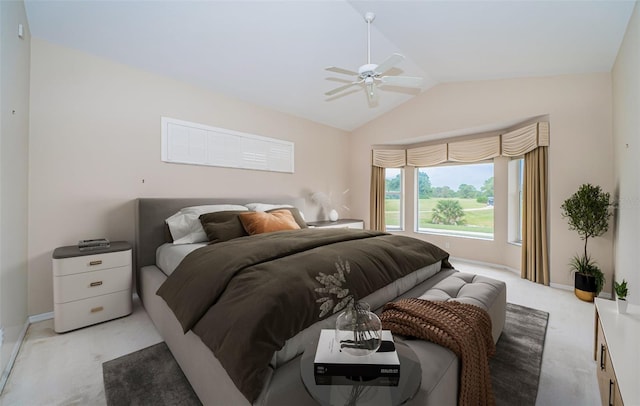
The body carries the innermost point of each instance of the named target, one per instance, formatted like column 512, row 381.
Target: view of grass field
column 478, row 216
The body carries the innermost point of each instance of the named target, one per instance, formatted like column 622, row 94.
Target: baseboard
column 489, row 264
column 561, row 286
column 14, row 355
column 602, row 295
column 16, row 348
column 40, row 317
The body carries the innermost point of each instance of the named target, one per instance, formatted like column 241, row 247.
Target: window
column 456, row 200
column 393, row 201
column 515, row 191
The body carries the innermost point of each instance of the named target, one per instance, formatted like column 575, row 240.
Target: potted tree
column 621, row 293
column 587, row 212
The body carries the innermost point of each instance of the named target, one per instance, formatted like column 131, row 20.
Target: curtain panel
column 535, row 252
column 376, row 208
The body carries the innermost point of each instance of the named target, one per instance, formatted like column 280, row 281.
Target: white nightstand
column 341, row 223
column 90, row 287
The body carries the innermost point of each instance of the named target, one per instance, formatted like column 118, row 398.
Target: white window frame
column 450, row 233
column 400, row 204
column 515, row 180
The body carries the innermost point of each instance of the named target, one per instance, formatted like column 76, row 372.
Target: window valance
column 389, row 158
column 512, row 144
column 427, row 156
column 479, row 149
column 525, row 139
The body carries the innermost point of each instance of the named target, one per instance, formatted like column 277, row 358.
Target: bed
column 282, row 383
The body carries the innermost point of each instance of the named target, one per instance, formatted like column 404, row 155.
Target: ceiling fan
column 370, row 73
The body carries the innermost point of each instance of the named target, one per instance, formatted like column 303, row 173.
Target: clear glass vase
column 358, row 330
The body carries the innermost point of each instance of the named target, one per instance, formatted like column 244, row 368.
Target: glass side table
column 363, row 395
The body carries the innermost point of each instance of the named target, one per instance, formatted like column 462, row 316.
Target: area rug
column 151, row 376
column 515, row 369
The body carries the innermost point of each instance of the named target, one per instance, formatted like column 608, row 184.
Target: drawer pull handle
column 94, row 284
column 98, row 262
column 610, row 397
column 602, row 357
column 97, row 309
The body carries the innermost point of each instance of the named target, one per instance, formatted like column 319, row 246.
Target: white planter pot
column 622, row 306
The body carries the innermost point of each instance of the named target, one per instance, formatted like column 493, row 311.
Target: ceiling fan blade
column 339, row 89
column 404, row 81
column 389, row 63
column 341, row 70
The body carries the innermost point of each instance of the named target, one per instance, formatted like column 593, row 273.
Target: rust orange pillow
column 260, row 222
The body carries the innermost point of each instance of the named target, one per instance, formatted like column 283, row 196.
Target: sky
column 455, row 175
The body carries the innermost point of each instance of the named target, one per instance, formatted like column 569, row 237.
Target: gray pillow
column 222, row 226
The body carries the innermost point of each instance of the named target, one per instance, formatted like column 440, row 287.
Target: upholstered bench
column 440, row 366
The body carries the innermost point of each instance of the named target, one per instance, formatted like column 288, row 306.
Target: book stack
column 332, row 366
column 95, row 244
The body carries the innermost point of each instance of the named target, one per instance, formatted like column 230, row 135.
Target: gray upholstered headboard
column 152, row 212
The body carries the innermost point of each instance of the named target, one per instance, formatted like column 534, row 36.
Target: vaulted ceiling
column 273, row 53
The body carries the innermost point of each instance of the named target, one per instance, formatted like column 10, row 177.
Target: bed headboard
column 152, row 212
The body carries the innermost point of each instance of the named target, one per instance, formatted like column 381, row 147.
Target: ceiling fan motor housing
column 368, row 70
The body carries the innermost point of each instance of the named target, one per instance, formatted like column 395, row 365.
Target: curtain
column 377, row 199
column 389, row 158
column 430, row 155
column 535, row 254
column 526, row 139
column 381, row 159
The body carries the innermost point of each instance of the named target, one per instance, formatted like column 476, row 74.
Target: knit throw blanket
column 463, row 328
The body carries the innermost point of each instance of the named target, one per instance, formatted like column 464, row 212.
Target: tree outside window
column 393, row 199
column 456, row 200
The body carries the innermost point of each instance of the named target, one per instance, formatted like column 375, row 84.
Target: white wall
column 14, row 133
column 95, row 136
column 626, row 140
column 581, row 151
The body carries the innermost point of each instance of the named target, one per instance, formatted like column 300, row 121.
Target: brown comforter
column 245, row 297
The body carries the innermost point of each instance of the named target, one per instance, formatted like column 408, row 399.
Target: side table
column 90, row 287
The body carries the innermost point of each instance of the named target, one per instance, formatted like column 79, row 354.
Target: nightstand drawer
column 86, row 263
column 88, row 284
column 72, row 315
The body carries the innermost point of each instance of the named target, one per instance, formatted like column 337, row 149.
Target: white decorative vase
column 622, row 306
column 333, row 215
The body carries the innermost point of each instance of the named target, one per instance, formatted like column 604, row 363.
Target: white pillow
column 265, row 206
column 185, row 225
